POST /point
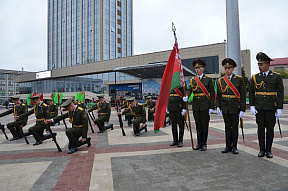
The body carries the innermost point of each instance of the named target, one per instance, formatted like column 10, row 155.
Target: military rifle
column 53, row 137
column 89, row 117
column 3, row 130
column 22, row 134
column 120, row 120
column 64, row 121
column 242, row 128
column 279, row 128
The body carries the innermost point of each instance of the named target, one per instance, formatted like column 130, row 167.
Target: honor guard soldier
column 18, row 109
column 266, row 99
column 151, row 108
column 203, row 102
column 78, row 117
column 177, row 110
column 53, row 109
column 125, row 105
column 138, row 112
column 231, row 101
column 104, row 111
column 41, row 112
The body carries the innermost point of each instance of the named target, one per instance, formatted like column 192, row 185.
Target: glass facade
column 212, row 64
column 93, row 83
column 80, row 32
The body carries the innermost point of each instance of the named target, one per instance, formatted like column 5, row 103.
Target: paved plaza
column 147, row 162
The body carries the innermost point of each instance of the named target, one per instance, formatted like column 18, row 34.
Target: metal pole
column 233, row 34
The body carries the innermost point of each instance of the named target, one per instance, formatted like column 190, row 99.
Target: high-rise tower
column 84, row 31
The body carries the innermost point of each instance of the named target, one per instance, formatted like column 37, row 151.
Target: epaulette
column 275, row 73
column 238, row 76
column 80, row 108
column 44, row 104
column 207, row 76
column 23, row 104
column 106, row 102
column 54, row 104
column 139, row 103
column 153, row 100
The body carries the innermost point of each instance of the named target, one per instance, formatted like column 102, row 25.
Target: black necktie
column 264, row 74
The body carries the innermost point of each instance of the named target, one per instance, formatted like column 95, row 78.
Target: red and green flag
column 82, row 97
column 215, row 88
column 173, row 77
column 28, row 99
column 55, row 97
column 60, row 97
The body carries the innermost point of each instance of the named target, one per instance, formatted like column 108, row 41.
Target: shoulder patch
column 84, row 115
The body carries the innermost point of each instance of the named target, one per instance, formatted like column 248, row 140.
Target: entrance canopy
column 150, row 70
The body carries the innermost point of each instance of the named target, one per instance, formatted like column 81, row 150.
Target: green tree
column 246, row 80
column 282, row 73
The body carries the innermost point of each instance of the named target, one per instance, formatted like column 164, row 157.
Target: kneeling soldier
column 41, row 112
column 78, row 117
column 138, row 112
column 18, row 109
column 104, row 112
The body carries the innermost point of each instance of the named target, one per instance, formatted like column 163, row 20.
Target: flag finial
column 173, row 27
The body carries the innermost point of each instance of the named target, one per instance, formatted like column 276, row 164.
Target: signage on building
column 46, row 74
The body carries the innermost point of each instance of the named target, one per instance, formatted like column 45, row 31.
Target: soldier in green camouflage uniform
column 177, row 110
column 266, row 99
column 78, row 117
column 41, row 112
column 228, row 103
column 138, row 112
column 104, row 111
column 18, row 109
column 202, row 105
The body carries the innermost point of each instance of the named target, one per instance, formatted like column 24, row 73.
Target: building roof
column 279, row 61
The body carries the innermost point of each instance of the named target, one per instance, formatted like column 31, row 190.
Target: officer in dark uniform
column 231, row 101
column 78, row 117
column 266, row 99
column 138, row 112
column 104, row 111
column 53, row 109
column 177, row 110
column 203, row 102
column 41, row 112
column 151, row 104
column 18, row 109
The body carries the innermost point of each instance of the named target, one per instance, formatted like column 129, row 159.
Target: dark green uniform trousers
column 37, row 131
column 202, row 119
column 265, row 119
column 231, row 129
column 73, row 135
column 136, row 124
column 14, row 129
column 100, row 122
column 177, row 118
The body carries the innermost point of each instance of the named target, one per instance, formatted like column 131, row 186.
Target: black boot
column 269, row 141
column 228, row 143
column 175, row 137
column 80, row 143
column 143, row 128
column 261, row 139
column 199, row 139
column 204, row 141
column 109, row 126
column 14, row 133
column 181, row 134
column 72, row 150
column 235, row 140
column 38, row 139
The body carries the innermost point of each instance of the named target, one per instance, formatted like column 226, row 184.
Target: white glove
column 211, row 111
column 183, row 112
column 219, row 112
column 241, row 114
column 278, row 113
column 253, row 110
column 167, row 111
column 185, row 99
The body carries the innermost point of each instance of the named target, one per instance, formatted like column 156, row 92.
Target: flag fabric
column 190, row 99
column 82, row 97
column 41, row 97
column 215, row 88
column 77, row 96
column 55, row 97
column 29, row 100
column 51, row 96
column 173, row 77
column 60, row 99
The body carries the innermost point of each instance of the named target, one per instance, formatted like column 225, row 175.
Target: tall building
column 85, row 31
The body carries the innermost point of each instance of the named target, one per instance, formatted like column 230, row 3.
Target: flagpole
column 187, row 110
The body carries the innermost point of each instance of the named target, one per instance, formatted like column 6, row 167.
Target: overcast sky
column 263, row 27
